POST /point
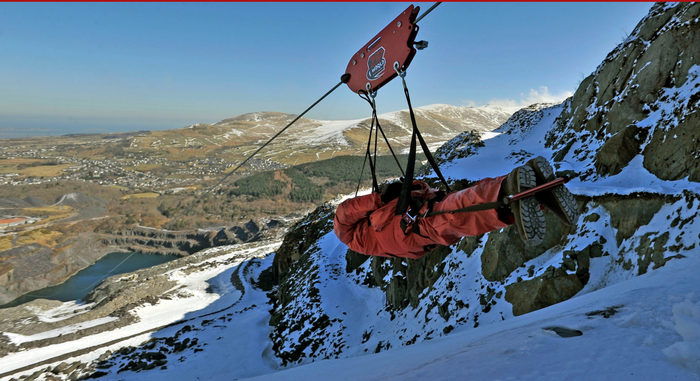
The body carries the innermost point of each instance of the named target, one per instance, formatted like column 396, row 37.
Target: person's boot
column 558, row 199
column 528, row 216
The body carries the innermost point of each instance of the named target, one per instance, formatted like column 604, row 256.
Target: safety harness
column 385, row 57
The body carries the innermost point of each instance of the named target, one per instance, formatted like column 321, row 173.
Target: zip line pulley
column 379, row 61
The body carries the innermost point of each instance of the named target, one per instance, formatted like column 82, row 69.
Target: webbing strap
column 372, row 162
column 368, row 155
column 471, row 208
column 405, row 195
column 404, row 198
column 379, row 128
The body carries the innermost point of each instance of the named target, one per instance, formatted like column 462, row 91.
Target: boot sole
column 542, row 169
column 559, row 200
column 533, row 222
column 533, row 226
column 566, row 207
column 526, row 178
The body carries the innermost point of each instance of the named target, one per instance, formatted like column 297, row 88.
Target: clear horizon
column 118, row 67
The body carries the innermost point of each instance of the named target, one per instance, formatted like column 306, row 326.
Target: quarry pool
column 79, row 285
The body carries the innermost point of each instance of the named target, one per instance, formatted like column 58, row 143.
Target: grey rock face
column 505, row 251
column 643, row 99
column 543, row 291
column 300, row 237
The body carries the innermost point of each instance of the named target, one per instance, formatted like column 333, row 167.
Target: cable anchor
column 420, row 45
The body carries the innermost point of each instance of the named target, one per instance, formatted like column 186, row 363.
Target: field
column 6, row 242
column 141, row 195
column 26, row 167
column 41, row 236
column 44, row 170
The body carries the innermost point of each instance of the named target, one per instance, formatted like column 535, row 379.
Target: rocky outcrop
column 465, row 144
column 505, row 251
column 167, row 242
column 630, row 212
column 554, row 286
column 644, row 99
column 300, row 237
column 32, row 267
column 523, row 120
column 162, row 242
column 408, row 279
column 627, row 215
column 468, row 143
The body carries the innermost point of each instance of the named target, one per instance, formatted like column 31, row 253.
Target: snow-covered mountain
column 310, row 139
column 437, row 122
column 616, row 297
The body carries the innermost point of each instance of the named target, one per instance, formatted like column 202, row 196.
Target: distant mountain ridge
column 310, row 139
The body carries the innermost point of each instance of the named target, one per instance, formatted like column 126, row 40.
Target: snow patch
column 18, row 339
column 686, row 316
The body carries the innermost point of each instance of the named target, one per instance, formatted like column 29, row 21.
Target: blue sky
column 104, row 67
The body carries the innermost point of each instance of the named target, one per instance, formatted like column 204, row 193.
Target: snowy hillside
column 232, row 140
column 647, row 327
column 630, row 224
column 634, row 219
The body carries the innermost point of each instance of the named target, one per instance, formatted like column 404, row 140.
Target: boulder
column 554, row 286
column 300, row 237
column 505, row 251
column 628, row 213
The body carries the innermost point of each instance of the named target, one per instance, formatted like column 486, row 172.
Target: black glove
column 391, row 191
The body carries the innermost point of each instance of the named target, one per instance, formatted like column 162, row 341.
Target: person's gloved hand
column 391, row 191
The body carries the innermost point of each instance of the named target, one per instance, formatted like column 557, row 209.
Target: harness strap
column 370, row 98
column 380, row 129
column 470, row 208
column 372, row 162
column 404, row 198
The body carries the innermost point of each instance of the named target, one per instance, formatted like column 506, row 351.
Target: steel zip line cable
column 343, row 79
column 428, row 11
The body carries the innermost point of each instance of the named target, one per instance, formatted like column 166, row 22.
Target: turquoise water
column 79, row 285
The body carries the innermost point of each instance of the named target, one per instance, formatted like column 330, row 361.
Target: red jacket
column 370, row 227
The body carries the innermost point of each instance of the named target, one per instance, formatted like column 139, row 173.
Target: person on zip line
column 369, row 225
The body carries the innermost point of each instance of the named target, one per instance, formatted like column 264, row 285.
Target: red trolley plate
column 373, row 65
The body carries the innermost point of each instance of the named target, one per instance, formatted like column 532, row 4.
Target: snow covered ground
column 647, row 327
